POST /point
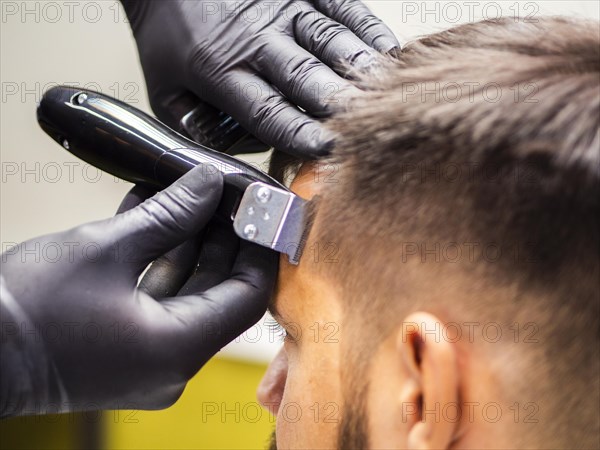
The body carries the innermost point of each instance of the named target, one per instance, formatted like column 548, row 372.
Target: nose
column 270, row 390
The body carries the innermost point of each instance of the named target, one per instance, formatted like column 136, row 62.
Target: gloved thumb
column 170, row 217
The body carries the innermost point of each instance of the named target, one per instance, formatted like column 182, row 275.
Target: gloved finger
column 267, row 114
column 303, row 79
column 134, row 197
column 217, row 254
column 169, row 218
column 332, row 42
column 166, row 275
column 211, row 319
column 359, row 19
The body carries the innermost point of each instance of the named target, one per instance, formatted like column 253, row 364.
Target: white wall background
column 88, row 43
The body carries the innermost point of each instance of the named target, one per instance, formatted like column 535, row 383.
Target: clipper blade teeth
column 311, row 209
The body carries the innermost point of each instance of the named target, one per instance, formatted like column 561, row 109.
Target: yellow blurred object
column 218, row 410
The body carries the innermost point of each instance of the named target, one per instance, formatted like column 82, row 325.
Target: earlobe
column 432, row 382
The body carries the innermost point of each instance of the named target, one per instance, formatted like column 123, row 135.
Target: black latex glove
column 102, row 342
column 256, row 60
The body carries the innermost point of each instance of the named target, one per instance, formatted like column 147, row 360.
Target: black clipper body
column 127, row 143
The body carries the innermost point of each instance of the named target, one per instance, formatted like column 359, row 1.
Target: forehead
column 304, row 183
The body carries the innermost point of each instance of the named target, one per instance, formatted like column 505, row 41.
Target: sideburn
column 353, row 431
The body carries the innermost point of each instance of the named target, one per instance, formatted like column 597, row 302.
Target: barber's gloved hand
column 78, row 333
column 257, row 61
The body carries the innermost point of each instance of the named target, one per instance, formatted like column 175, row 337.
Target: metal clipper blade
column 274, row 218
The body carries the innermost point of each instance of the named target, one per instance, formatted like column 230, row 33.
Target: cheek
column 392, row 400
column 311, row 406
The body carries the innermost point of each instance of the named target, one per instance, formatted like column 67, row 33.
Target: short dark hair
column 489, row 133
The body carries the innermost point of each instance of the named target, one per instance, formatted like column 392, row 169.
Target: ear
column 431, row 393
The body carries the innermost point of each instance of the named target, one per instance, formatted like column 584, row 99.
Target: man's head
column 448, row 295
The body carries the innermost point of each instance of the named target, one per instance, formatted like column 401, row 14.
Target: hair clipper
column 125, row 142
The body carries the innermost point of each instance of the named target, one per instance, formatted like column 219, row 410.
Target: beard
column 273, row 441
column 353, row 429
column 352, row 433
